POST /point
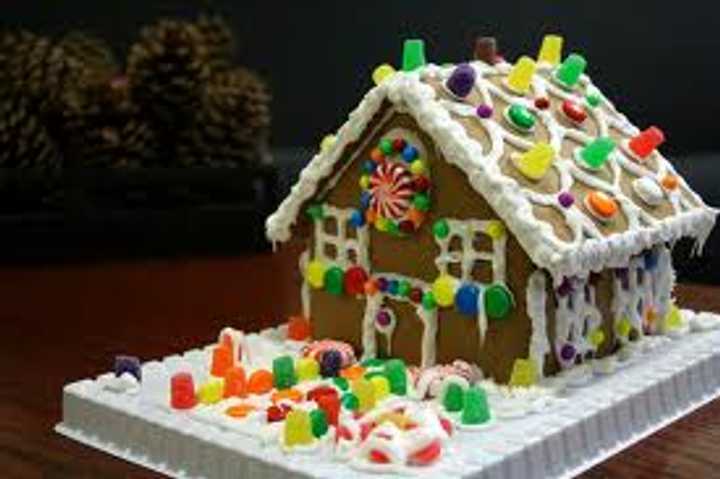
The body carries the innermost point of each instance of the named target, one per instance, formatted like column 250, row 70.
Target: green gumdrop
column 421, row 202
column 475, row 408
column 571, row 69
column 341, row 383
column 521, row 117
column 396, row 373
column 596, row 153
column 498, row 302
column 593, row 99
column 334, row 280
column 350, row 401
column 441, row 229
column 413, row 55
column 428, row 301
column 393, row 228
column 318, row 418
column 453, row 398
column 284, row 372
column 373, row 363
column 372, row 374
column 386, row 146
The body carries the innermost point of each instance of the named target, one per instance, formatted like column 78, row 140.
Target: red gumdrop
column 427, row 455
column 378, row 457
column 182, row 391
column 331, row 405
column 277, row 413
column 407, row 226
column 647, row 141
column 319, row 391
column 299, row 328
column 355, row 278
column 399, row 144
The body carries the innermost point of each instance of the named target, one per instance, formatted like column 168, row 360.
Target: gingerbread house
column 504, row 214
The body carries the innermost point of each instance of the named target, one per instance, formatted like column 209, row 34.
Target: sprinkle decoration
column 396, row 195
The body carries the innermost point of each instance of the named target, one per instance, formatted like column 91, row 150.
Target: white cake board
column 608, row 414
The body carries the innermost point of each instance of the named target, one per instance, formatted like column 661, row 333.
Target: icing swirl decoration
column 395, row 187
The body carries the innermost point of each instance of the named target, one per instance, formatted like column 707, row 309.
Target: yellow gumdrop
column 417, row 167
column 364, row 182
column 365, row 392
column 597, row 337
column 551, row 49
column 211, row 392
column 524, row 373
column 534, row 163
column 382, row 73
column 495, row 229
column 673, row 320
column 381, row 386
column 520, row 77
column 315, row 274
column 327, row 142
column 623, row 327
column 307, row 369
column 298, row 429
column 382, row 223
column 443, row 290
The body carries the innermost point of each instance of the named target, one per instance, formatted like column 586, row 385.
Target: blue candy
column 409, row 153
column 357, row 218
column 466, row 299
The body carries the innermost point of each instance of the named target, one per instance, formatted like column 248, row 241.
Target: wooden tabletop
column 64, row 323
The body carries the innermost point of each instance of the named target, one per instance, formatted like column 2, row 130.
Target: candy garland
column 395, row 192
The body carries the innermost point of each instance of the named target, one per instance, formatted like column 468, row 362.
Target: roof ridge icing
column 589, row 250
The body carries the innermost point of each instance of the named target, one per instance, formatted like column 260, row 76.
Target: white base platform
column 589, row 424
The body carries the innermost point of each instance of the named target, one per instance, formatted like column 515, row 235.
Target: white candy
column 648, row 190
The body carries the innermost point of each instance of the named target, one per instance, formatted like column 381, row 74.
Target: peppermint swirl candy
column 429, row 382
column 316, row 349
column 391, row 189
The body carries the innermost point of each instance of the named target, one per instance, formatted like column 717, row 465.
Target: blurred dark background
column 657, row 60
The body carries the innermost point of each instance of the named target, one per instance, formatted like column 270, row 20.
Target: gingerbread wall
column 452, row 196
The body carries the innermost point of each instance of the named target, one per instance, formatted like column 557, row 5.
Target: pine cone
column 217, row 39
column 105, row 129
column 24, row 140
column 233, row 125
column 166, row 69
column 38, row 68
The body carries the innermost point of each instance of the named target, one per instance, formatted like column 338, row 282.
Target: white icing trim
column 511, row 202
column 536, row 298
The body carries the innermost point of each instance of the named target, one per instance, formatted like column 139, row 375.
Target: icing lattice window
column 334, row 241
column 468, row 246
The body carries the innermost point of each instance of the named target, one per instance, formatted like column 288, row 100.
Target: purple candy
column 461, row 80
column 382, row 284
column 128, row 364
column 331, row 363
column 567, row 352
column 484, row 111
column 565, row 287
column 566, row 199
column 383, row 318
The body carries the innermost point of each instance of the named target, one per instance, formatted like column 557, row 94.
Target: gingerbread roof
column 555, row 204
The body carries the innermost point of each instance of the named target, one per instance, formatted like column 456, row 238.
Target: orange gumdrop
column 371, row 287
column 260, row 382
column 377, row 155
column 292, row 394
column 235, row 382
column 240, row 411
column 670, row 182
column 222, row 360
column 352, row 372
column 370, row 216
column 299, row 328
column 601, row 204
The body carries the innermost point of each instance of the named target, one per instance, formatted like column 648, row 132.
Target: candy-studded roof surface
column 573, row 203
